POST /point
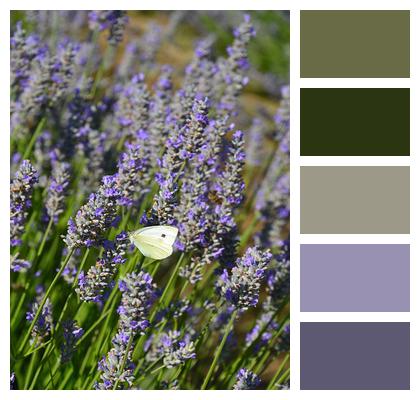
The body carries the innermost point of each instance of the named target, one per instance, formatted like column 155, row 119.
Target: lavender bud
column 278, row 284
column 246, row 380
column 93, row 284
column 23, row 49
column 115, row 21
column 282, row 117
column 241, row 286
column 70, row 271
column 57, row 189
column 43, row 325
column 19, row 265
column 270, row 329
column 255, row 143
column 138, row 294
column 234, row 67
column 150, row 43
column 130, row 174
column 13, row 381
column 48, row 83
column 21, row 190
column 173, row 349
column 132, row 109
column 72, row 333
column 113, row 372
column 95, row 217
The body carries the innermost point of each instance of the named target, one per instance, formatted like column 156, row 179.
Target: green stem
column 19, row 306
column 279, row 370
column 74, row 284
column 44, row 238
column 30, row 370
column 46, row 354
column 170, row 281
column 91, row 329
column 121, row 369
column 41, row 306
column 35, row 135
column 219, row 350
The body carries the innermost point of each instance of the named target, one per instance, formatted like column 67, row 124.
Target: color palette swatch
column 355, row 278
column 355, row 199
column 355, row 44
column 355, row 355
column 355, row 122
column 367, row 197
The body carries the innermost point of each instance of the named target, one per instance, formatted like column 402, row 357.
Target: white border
column 294, row 6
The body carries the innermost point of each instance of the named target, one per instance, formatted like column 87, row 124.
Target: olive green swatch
column 355, row 200
column 355, row 44
column 355, row 122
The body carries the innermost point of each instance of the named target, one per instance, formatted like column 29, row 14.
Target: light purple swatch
column 355, row 277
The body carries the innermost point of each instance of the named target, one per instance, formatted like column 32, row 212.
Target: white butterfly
column 155, row 241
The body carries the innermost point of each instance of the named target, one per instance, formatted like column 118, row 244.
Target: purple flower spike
column 21, row 190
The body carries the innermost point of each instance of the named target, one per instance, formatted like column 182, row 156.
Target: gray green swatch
column 355, row 44
column 355, row 200
column 355, row 122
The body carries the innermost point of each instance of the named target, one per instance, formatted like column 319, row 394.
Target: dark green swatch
column 355, row 122
column 355, row 44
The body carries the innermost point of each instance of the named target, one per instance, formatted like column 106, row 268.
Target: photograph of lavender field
column 149, row 200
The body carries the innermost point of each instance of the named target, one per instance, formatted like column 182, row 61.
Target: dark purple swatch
column 355, row 356
column 355, row 277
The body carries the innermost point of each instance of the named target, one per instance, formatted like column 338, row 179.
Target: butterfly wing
column 155, row 241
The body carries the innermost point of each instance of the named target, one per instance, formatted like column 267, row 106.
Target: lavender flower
column 13, row 381
column 113, row 373
column 208, row 214
column 160, row 110
column 246, row 380
column 197, row 81
column 59, row 183
column 282, row 117
column 273, row 199
column 115, row 21
column 95, row 217
column 173, row 349
column 48, row 83
column 138, row 294
column 80, row 113
column 43, row 325
column 241, row 286
column 182, row 146
column 278, row 283
column 132, row 109
column 149, row 44
column 93, row 284
column 91, row 144
column 255, row 143
column 177, row 351
column 23, row 49
column 21, row 190
column 19, row 265
column 264, row 322
column 229, row 186
column 70, row 271
column 72, row 333
column 235, row 65
column 130, row 177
